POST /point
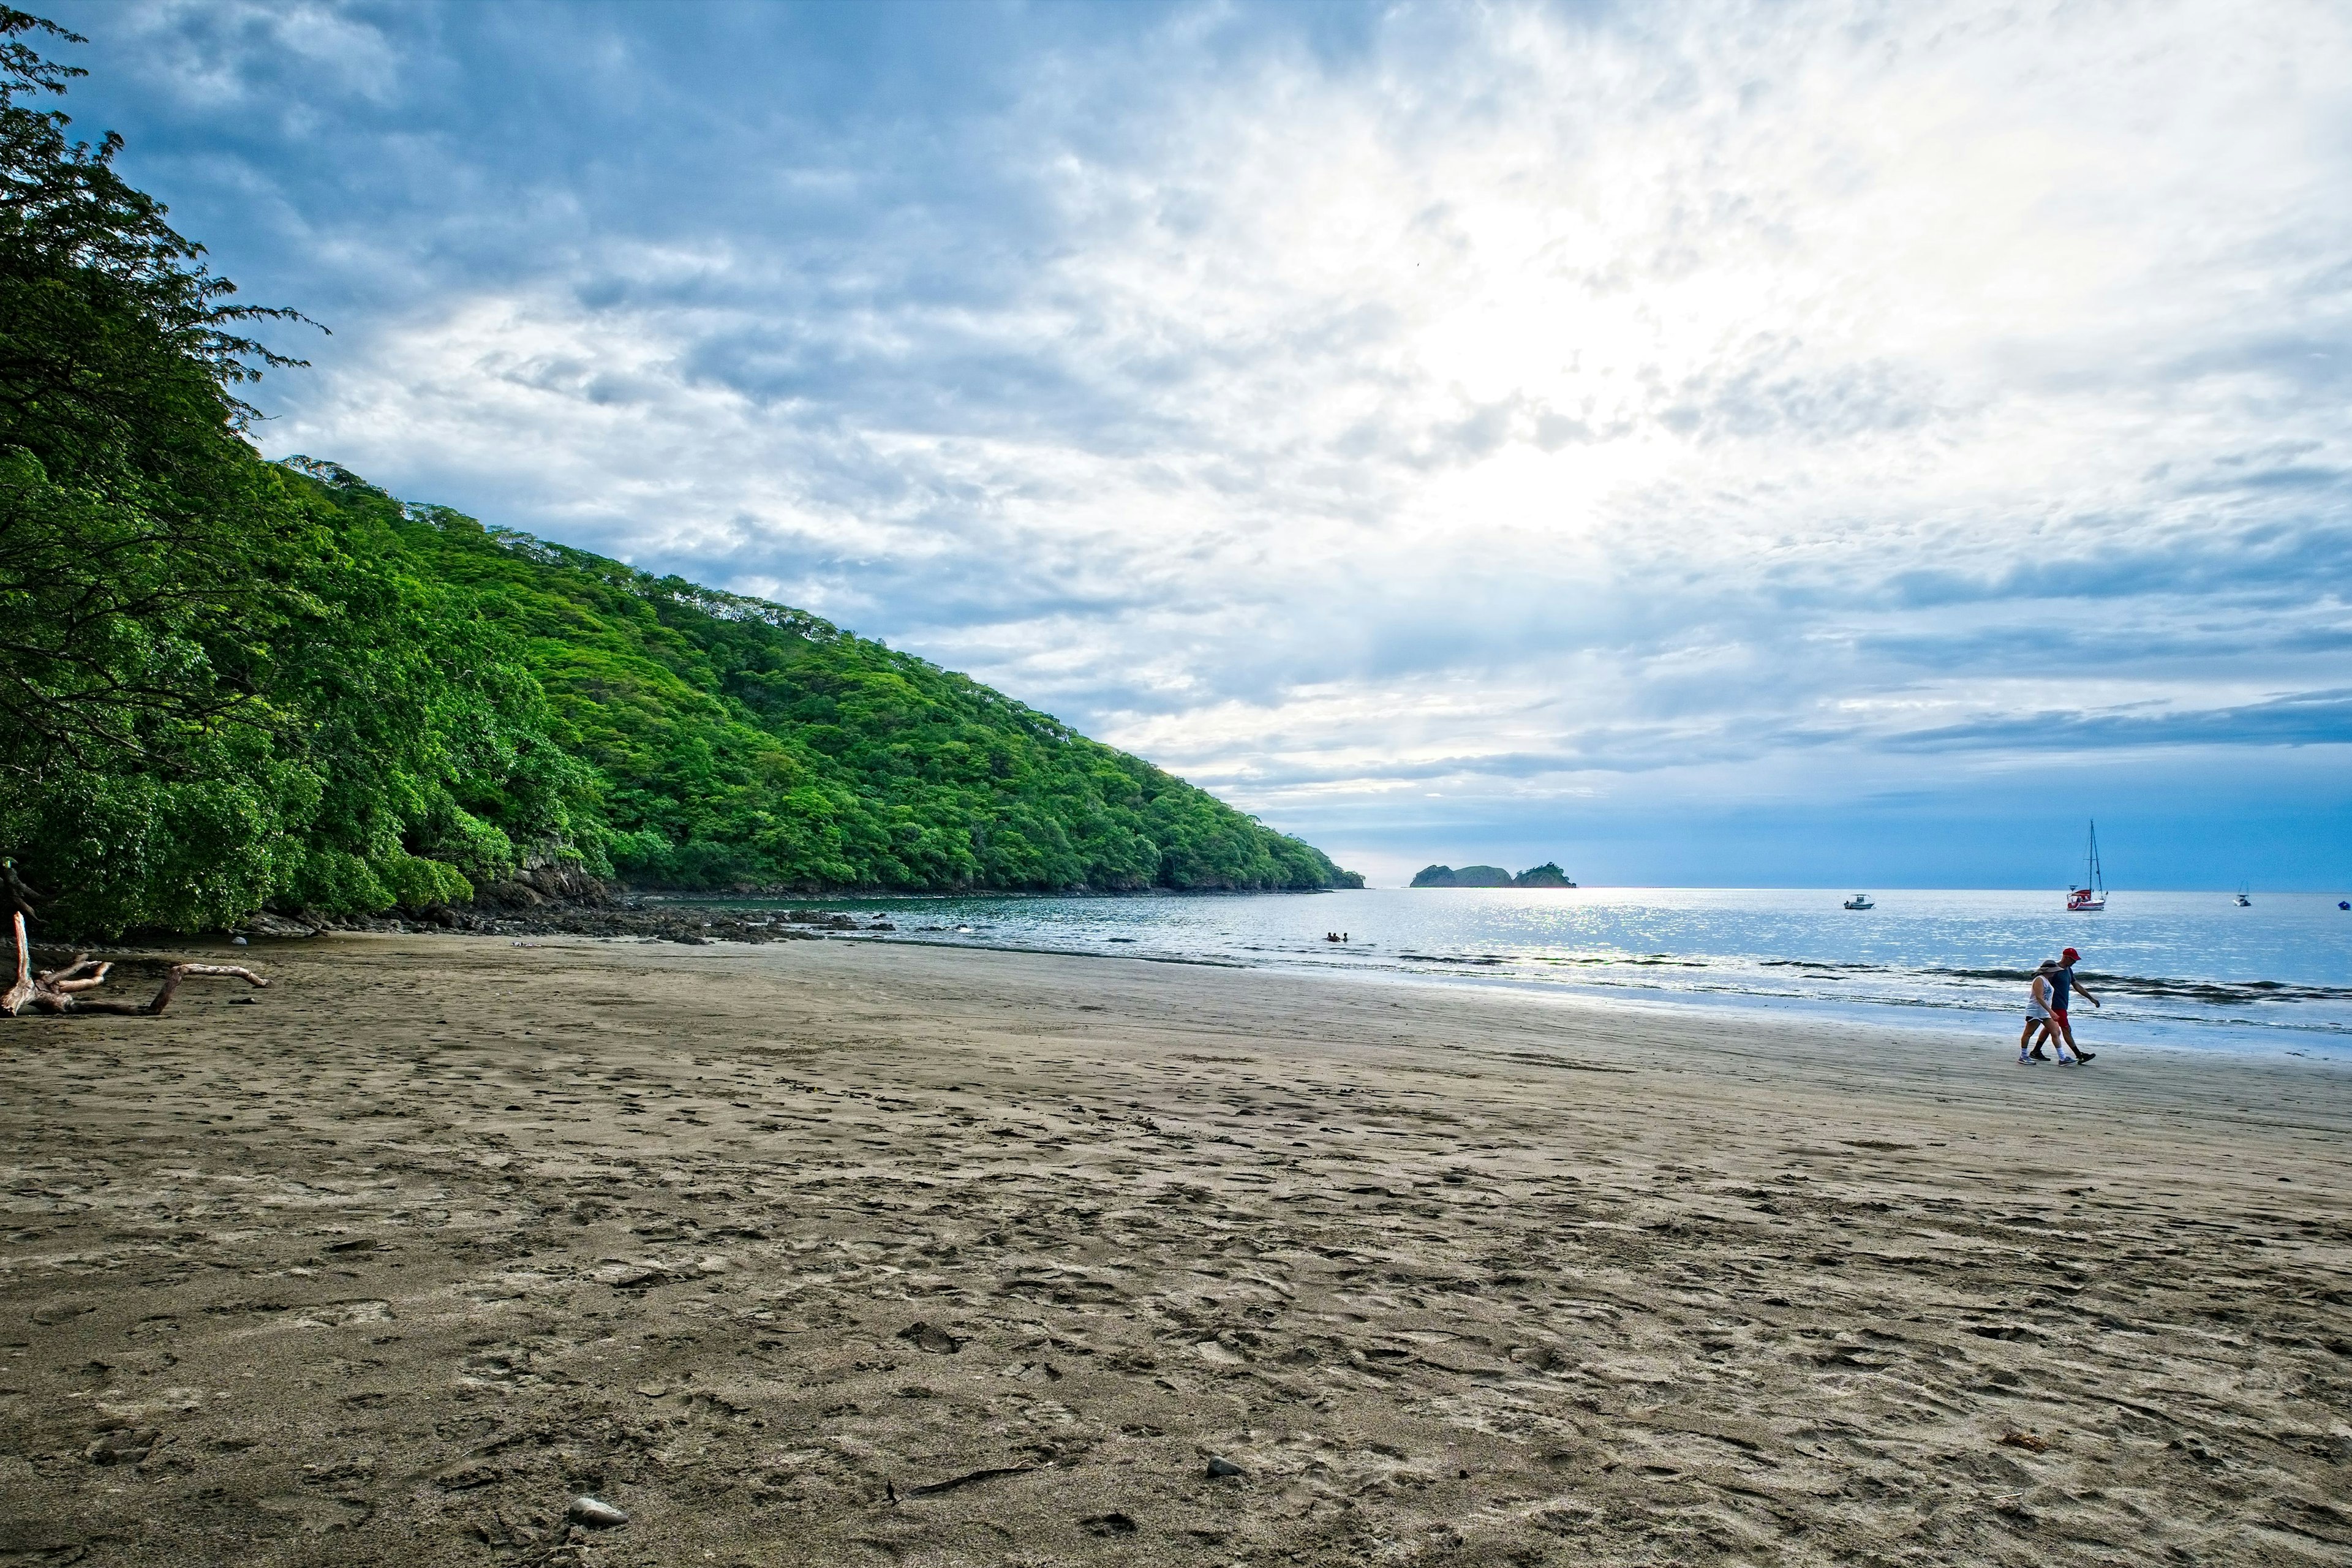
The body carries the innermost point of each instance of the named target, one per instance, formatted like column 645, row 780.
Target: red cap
column 2072, row 955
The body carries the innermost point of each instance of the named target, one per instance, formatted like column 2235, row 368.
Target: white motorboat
column 1860, row 901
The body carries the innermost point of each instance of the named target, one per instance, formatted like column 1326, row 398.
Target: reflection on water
column 2183, row 968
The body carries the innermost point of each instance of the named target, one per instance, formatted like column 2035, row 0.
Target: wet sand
column 838, row 1252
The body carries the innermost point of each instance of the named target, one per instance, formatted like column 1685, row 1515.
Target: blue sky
column 1818, row 444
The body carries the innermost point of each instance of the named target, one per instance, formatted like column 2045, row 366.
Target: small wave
column 2218, row 991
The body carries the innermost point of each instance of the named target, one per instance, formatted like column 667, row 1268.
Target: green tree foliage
column 1548, row 875
column 739, row 742
column 1462, row 877
column 225, row 683
column 132, row 525
column 214, row 690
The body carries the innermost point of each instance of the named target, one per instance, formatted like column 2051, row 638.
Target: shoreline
column 801, row 1252
column 629, row 926
column 2164, row 1033
column 2176, row 975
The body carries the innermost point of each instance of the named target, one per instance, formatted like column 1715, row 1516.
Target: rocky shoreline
column 689, row 926
column 557, row 902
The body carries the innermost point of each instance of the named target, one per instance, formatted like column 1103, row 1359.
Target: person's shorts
column 2035, row 1012
column 2058, row 1012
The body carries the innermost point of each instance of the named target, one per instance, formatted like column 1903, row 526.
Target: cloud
column 233, row 55
column 1327, row 402
column 2304, row 718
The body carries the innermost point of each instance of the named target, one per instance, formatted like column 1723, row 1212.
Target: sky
column 1783, row 444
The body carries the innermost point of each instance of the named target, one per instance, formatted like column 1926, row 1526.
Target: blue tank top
column 2060, row 982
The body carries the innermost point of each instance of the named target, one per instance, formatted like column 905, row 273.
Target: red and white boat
column 2092, row 896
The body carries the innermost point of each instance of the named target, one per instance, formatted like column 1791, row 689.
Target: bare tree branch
column 60, row 991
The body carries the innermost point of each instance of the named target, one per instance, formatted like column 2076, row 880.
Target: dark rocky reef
column 531, row 908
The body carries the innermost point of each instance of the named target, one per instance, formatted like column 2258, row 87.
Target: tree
column 225, row 682
column 133, row 524
column 216, row 688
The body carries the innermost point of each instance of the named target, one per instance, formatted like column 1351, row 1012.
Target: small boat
column 2244, row 901
column 2092, row 896
column 1860, row 901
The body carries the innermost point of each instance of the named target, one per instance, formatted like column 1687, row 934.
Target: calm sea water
column 2178, row 969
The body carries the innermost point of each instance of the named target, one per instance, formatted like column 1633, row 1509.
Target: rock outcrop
column 1548, row 875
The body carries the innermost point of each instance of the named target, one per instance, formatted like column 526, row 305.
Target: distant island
column 1548, row 875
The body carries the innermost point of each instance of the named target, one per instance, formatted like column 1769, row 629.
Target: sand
column 845, row 1252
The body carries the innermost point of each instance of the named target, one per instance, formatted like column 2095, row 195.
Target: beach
column 846, row 1252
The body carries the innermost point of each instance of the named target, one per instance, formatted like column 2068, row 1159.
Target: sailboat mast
column 2093, row 893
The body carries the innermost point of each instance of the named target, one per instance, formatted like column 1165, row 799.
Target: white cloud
column 1532, row 401
column 207, row 51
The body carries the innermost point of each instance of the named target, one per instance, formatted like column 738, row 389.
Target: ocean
column 2179, row 969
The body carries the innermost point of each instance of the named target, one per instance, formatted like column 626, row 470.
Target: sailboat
column 2093, row 894
column 2244, row 902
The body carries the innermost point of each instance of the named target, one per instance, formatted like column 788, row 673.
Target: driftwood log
column 67, row 990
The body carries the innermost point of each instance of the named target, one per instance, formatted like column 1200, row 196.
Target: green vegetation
column 1467, row 876
column 226, row 684
column 739, row 742
column 1548, row 875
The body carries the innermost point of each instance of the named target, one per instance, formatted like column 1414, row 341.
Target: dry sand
column 844, row 1253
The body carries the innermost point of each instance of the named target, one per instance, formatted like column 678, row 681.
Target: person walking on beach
column 2063, row 981
column 2037, row 1016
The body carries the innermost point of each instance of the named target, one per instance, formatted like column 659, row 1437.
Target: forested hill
column 228, row 684
column 740, row 743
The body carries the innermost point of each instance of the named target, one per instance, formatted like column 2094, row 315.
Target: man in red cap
column 2062, row 984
